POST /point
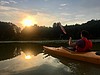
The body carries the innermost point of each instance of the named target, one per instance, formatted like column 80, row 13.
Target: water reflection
column 81, row 68
column 29, row 59
column 8, row 51
column 37, row 65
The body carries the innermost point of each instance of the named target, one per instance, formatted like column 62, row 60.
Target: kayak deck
column 64, row 52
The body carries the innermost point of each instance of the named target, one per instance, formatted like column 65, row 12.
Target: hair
column 85, row 33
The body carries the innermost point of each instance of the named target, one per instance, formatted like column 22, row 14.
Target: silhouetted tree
column 9, row 31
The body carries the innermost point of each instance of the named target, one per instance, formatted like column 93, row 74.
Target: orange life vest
column 88, row 46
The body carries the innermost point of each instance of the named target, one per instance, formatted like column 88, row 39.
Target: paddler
column 83, row 44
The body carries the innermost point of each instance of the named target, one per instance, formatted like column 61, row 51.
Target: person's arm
column 71, row 43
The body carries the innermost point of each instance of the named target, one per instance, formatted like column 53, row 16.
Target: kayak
column 90, row 57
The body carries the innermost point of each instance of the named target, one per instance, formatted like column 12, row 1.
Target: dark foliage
column 9, row 31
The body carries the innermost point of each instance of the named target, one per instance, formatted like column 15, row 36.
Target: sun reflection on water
column 28, row 57
column 28, row 62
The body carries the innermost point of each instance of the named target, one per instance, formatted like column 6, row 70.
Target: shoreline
column 45, row 41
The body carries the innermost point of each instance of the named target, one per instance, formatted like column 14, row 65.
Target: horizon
column 47, row 12
column 51, row 25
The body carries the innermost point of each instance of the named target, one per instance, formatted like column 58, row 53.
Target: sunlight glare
column 28, row 57
column 28, row 21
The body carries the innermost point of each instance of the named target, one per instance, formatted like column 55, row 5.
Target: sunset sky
column 46, row 12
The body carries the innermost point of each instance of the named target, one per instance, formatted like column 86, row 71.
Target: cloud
column 11, row 14
column 44, row 19
column 65, row 14
column 4, row 2
column 79, row 16
column 3, row 8
column 16, row 15
column 12, row 1
column 7, row 2
column 63, row 5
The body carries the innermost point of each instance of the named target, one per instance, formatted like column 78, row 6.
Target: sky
column 47, row 12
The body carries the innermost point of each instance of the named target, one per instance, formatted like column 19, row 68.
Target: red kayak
column 90, row 57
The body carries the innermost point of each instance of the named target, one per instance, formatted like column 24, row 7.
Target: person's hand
column 70, row 38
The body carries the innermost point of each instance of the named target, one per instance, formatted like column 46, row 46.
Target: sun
column 28, row 21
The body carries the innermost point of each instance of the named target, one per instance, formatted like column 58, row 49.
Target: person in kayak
column 83, row 44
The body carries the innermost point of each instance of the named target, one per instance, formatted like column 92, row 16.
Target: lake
column 29, row 59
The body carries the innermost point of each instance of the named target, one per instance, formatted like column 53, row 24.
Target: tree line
column 11, row 32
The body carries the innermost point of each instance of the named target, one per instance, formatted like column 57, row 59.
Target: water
column 13, row 62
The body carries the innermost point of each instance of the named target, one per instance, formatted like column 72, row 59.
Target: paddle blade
column 62, row 28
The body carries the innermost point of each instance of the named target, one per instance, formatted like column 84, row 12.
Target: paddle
column 62, row 28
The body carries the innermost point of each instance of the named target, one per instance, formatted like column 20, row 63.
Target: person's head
column 84, row 33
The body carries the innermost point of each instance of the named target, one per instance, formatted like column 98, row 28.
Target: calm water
column 14, row 62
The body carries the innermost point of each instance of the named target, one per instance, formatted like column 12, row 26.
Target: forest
column 11, row 32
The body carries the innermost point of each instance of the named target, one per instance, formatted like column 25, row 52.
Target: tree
column 9, row 31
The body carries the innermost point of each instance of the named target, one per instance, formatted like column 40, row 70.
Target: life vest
column 87, row 47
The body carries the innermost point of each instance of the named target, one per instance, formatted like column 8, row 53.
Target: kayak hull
column 90, row 57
